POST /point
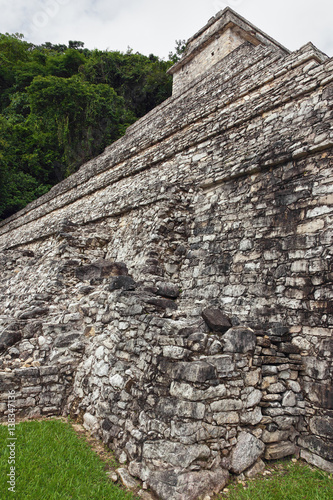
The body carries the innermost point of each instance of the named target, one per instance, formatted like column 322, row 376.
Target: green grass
column 53, row 463
column 288, row 481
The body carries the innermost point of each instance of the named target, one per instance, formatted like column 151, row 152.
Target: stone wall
column 175, row 294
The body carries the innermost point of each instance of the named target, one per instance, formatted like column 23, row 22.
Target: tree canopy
column 61, row 105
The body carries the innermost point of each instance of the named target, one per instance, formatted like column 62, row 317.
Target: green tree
column 61, row 105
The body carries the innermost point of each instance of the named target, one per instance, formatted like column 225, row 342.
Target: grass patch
column 284, row 480
column 53, row 463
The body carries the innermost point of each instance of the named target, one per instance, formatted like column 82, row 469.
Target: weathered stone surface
column 316, row 368
column 228, row 417
column 122, row 282
column 216, row 320
column 7, row 382
column 317, row 461
column 187, row 486
column 67, row 339
column 318, row 446
column 168, row 290
column 197, row 342
column 32, row 329
column 246, row 452
column 289, row 399
column 90, row 422
column 161, row 303
column 226, row 192
column 128, row 481
column 274, row 437
column 169, row 407
column 253, row 398
column 239, row 339
column 276, row 388
column 187, row 391
column 197, row 371
column 175, row 454
column 34, row 313
column 100, row 269
column 322, row 426
column 175, row 352
column 226, row 405
column 256, row 469
column 9, row 338
column 252, row 417
column 280, row 450
column 145, row 495
column 320, row 394
column 223, row 363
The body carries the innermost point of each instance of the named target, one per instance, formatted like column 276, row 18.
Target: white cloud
column 152, row 26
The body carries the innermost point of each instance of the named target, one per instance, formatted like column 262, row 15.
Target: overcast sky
column 152, row 26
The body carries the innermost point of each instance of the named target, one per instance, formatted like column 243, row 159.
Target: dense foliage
column 61, row 105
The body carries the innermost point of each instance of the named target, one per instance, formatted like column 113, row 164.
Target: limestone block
column 322, row 426
column 9, row 338
column 171, row 407
column 289, row 399
column 317, row 461
column 318, row 446
column 197, row 342
column 175, row 352
column 276, row 388
column 66, row 340
column 274, row 437
column 176, row 485
column 253, row 398
column 90, row 422
column 100, row 269
column 128, row 481
column 316, row 368
column 196, row 371
column 280, row 450
column 256, row 469
column 168, row 290
column 230, row 417
column 34, row 313
column 239, row 339
column 176, row 454
column 252, row 378
column 253, row 417
column 122, row 282
column 246, row 452
column 226, row 405
column 294, row 386
column 216, row 320
column 186, row 391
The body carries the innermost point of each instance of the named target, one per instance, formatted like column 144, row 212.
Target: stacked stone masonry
column 175, row 294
